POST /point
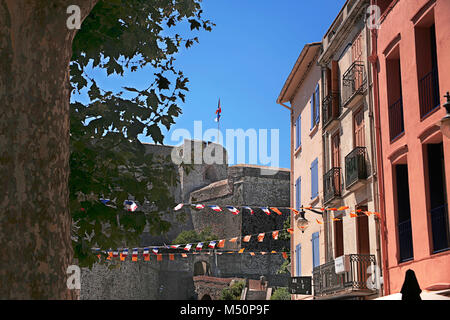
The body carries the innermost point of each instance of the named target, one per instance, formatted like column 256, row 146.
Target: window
column 315, row 107
column 394, row 93
column 403, row 213
column 298, row 260
column 298, row 132
column 427, row 64
column 298, row 193
column 315, row 249
column 314, row 179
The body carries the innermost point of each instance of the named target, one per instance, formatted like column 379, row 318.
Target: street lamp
column 302, row 222
column 445, row 121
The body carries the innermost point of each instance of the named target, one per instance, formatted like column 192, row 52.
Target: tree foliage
column 107, row 159
column 284, row 235
column 191, row 236
column 233, row 292
column 281, row 293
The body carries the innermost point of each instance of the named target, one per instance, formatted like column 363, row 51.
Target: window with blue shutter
column 314, row 179
column 298, row 260
column 298, row 193
column 317, row 100
column 312, row 112
column 298, row 132
column 315, row 249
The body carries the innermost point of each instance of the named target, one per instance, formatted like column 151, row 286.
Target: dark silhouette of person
column 411, row 289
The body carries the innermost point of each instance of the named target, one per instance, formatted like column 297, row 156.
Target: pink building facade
column 411, row 60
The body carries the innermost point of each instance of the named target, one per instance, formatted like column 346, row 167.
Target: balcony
column 355, row 168
column 429, row 93
column 396, row 124
column 353, row 83
column 328, row 115
column 332, row 185
column 352, row 282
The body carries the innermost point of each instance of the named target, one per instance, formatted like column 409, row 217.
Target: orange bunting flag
column 377, row 214
column 246, row 238
column 263, row 252
column 233, row 239
column 273, row 251
column 353, row 215
column 261, row 237
column 290, row 230
column 242, row 250
column 319, row 222
column 221, row 244
column 275, row 235
column 367, row 213
column 285, row 255
column 252, row 253
column 342, row 208
column 110, row 255
column 147, row 257
column 159, row 257
column 277, row 211
column 171, row 256
column 184, row 255
column 336, row 219
column 332, row 209
column 294, row 211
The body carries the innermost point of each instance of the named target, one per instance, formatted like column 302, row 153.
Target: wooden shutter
column 335, row 88
column 298, row 260
column 312, row 111
column 317, row 106
column 335, row 149
column 298, row 193
column 314, row 179
column 315, row 249
column 298, row 132
column 338, row 239
column 359, row 128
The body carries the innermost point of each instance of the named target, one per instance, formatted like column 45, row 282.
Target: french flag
column 125, row 253
column 155, row 250
column 249, row 209
column 178, row 207
column 199, row 246
column 212, row 244
column 216, row 208
column 199, row 206
column 146, row 252
column 130, row 205
column 188, row 247
column 218, row 112
column 266, row 210
column 115, row 254
column 134, row 255
column 233, row 210
column 174, row 246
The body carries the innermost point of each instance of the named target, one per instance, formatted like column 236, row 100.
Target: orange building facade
column 411, row 63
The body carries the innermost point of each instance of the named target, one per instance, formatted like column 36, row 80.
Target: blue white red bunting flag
column 115, row 254
column 174, row 246
column 266, row 210
column 199, row 206
column 130, row 205
column 178, row 207
column 212, row 244
column 216, row 208
column 199, row 246
column 250, row 209
column 146, row 251
column 155, row 250
column 188, row 247
column 233, row 210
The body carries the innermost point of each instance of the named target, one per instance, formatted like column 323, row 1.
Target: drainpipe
column 292, row 178
column 374, row 60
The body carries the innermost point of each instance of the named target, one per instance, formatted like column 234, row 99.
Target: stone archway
column 206, row 297
column 202, row 268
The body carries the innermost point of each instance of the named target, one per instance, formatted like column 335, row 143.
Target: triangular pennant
column 261, row 237
column 247, row 238
column 276, row 211
column 275, row 235
column 221, row 243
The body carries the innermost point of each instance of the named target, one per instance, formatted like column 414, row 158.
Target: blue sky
column 244, row 61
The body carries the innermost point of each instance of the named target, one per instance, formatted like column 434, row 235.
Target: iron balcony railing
column 440, row 228
column 396, row 124
column 355, row 166
column 429, row 92
column 353, row 81
column 405, row 240
column 327, row 282
column 327, row 109
column 332, row 184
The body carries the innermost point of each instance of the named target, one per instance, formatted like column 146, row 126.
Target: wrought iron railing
column 440, row 228
column 396, row 124
column 353, row 81
column 326, row 281
column 355, row 166
column 429, row 92
column 332, row 184
column 405, row 240
column 327, row 109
